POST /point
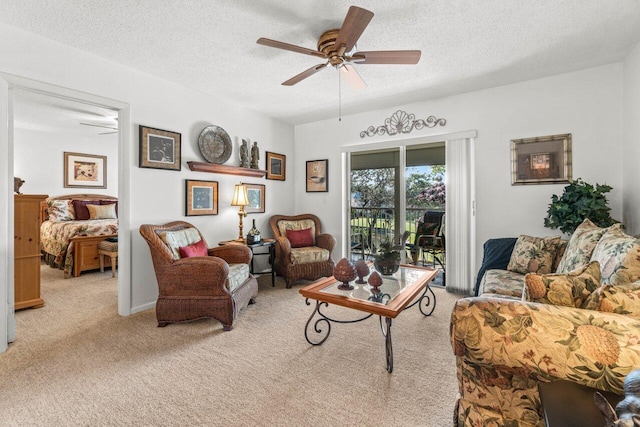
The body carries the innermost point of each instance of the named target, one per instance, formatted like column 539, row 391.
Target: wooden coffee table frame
column 426, row 303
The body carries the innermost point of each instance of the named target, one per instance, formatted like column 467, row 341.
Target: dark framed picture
column 276, row 166
column 255, row 193
column 201, row 198
column 541, row 160
column 160, row 149
column 85, row 170
column 317, row 176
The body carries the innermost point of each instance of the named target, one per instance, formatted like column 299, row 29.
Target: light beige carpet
column 76, row 362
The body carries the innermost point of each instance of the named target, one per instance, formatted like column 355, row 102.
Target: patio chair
column 430, row 238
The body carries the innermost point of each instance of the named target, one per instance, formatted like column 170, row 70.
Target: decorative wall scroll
column 402, row 122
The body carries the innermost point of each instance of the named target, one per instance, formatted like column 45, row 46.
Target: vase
column 386, row 267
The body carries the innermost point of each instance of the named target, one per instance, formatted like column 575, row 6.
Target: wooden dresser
column 27, row 250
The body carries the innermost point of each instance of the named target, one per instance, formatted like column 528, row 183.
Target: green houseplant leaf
column 578, row 202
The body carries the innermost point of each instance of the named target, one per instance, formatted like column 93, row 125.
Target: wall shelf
column 229, row 170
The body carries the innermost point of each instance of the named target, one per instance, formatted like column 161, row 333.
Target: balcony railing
column 371, row 226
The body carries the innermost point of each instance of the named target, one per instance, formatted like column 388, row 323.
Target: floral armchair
column 302, row 250
column 195, row 281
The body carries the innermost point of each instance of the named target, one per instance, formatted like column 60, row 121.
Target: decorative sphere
column 344, row 271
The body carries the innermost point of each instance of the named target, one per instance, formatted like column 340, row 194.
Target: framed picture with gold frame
column 255, row 193
column 276, row 166
column 160, row 149
column 541, row 160
column 85, row 170
column 201, row 198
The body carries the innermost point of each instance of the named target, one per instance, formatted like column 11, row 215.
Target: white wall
column 38, row 159
column 157, row 196
column 631, row 107
column 586, row 104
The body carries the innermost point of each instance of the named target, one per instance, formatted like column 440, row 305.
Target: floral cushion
column 60, row 210
column 620, row 299
column 284, row 225
column 238, row 274
column 570, row 289
column 581, row 244
column 309, row 254
column 533, row 254
column 502, row 283
column 619, row 257
column 176, row 239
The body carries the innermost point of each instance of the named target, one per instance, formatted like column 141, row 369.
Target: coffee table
column 407, row 287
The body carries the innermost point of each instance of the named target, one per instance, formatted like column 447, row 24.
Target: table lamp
column 241, row 199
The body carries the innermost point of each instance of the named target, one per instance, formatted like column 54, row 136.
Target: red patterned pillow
column 300, row 238
column 196, row 249
column 80, row 207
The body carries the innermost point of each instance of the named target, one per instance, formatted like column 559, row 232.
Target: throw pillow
column 581, row 245
column 533, row 254
column 300, row 238
column 80, row 207
column 570, row 289
column 620, row 299
column 102, row 211
column 197, row 249
column 60, row 210
column 619, row 257
column 110, row 202
column 176, row 239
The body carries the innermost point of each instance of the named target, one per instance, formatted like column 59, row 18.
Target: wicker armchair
column 217, row 286
column 288, row 260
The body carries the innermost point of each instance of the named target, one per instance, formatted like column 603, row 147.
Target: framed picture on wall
column 541, row 160
column 276, row 166
column 85, row 170
column 317, row 176
column 255, row 193
column 201, row 198
column 160, row 149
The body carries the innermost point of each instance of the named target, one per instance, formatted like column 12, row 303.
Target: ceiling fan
column 337, row 46
column 114, row 129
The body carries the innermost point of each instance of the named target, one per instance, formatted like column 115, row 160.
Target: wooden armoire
column 27, row 250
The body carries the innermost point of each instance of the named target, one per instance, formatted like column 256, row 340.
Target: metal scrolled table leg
column 386, row 332
column 316, row 326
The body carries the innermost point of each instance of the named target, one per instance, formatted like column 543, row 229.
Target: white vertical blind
column 460, row 216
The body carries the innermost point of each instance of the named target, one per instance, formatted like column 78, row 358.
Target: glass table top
column 391, row 287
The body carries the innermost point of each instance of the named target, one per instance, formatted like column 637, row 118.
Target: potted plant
column 578, row 202
column 387, row 261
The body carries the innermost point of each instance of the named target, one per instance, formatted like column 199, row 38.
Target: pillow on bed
column 60, row 210
column 80, row 207
column 102, row 211
column 110, row 202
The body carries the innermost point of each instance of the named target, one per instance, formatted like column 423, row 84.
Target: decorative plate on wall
column 215, row 144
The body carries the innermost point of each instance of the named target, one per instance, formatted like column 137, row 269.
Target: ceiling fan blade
column 291, row 47
column 352, row 77
column 99, row 126
column 107, row 133
column 352, row 28
column 387, row 57
column 303, row 75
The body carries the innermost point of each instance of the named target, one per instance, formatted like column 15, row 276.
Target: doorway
column 9, row 84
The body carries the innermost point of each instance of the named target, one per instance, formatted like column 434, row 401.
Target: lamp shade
column 240, row 197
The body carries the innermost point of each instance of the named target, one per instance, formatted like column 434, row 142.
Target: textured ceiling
column 211, row 45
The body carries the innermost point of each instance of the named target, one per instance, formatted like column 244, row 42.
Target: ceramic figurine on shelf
column 17, row 183
column 244, row 154
column 255, row 155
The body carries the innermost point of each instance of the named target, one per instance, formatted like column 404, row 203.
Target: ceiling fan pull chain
column 339, row 98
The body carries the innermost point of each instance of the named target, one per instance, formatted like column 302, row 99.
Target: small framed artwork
column 159, row 149
column 317, row 176
column 85, row 170
column 276, row 166
column 541, row 160
column 255, row 192
column 201, row 198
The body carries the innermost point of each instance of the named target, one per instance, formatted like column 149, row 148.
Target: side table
column 270, row 245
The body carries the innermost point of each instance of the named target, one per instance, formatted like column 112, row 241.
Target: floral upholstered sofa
column 534, row 322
